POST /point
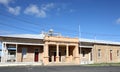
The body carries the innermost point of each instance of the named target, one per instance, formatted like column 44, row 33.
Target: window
column 91, row 56
column 110, row 51
column 111, row 55
column 24, row 52
column 99, row 52
column 117, row 52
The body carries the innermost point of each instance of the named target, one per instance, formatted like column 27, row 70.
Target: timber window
column 118, row 53
column 111, row 55
column 99, row 52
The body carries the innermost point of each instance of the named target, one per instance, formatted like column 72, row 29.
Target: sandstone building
column 50, row 49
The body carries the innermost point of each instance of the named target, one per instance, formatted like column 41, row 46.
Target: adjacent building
column 49, row 48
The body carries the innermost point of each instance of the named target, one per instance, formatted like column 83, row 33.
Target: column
column 77, row 57
column 76, row 50
column 57, row 53
column 80, row 55
column 46, row 57
column 92, row 55
column 67, row 53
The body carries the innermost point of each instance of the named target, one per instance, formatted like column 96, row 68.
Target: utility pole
column 80, row 42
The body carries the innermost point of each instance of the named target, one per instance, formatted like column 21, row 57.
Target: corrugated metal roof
column 32, row 36
column 41, row 36
column 99, row 41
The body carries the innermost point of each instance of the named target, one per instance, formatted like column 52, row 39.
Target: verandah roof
column 41, row 36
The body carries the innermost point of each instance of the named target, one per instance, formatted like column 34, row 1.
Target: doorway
column 36, row 55
column 54, row 56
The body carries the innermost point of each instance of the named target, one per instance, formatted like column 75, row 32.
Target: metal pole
column 80, row 42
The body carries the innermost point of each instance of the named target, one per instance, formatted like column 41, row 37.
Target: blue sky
column 98, row 19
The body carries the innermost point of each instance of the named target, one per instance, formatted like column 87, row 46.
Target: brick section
column 30, row 53
column 105, row 54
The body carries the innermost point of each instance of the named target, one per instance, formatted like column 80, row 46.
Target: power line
column 26, row 18
column 28, row 22
column 20, row 28
column 19, row 19
column 98, row 34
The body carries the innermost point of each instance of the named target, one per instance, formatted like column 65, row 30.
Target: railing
column 11, row 58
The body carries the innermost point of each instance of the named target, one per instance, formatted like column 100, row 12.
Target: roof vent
column 51, row 32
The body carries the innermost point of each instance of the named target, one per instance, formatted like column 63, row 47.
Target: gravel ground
column 61, row 69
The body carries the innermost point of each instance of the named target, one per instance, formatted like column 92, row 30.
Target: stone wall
column 105, row 53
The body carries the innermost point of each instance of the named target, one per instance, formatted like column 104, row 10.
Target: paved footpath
column 60, row 69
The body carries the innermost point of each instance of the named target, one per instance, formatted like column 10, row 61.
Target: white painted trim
column 86, row 46
column 23, row 43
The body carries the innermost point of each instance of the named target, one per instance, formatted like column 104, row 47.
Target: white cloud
column 118, row 21
column 34, row 10
column 47, row 6
column 15, row 11
column 39, row 11
column 5, row 2
column 12, row 10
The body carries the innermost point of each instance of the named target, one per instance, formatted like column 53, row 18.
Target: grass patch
column 103, row 64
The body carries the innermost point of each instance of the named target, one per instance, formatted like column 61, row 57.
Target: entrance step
column 61, row 64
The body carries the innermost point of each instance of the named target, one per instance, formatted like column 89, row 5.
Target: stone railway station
column 47, row 48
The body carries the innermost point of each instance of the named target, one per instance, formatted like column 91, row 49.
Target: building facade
column 50, row 49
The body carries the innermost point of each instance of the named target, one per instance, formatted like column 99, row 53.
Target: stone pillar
column 80, row 55
column 46, row 52
column 77, row 57
column 67, row 53
column 57, row 53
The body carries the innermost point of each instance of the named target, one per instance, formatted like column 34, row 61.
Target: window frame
column 118, row 53
column 99, row 53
